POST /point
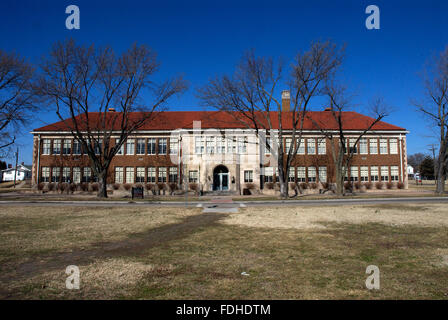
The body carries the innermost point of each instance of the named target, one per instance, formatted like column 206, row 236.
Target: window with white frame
column 98, row 147
column 76, row 175
column 242, row 145
column 393, row 144
column 66, row 174
column 220, row 144
column 67, row 147
column 312, row 174
column 363, row 146
column 130, row 146
column 287, row 144
column 76, row 147
column 161, row 177
column 322, row 146
column 231, row 144
column 172, row 177
column 394, row 173
column 174, row 145
column 354, row 173
column 151, row 174
column 45, row 177
column 301, row 174
column 140, row 174
column 140, row 146
column 55, row 174
column 352, row 148
column 373, row 145
column 268, row 174
column 46, row 145
column 323, row 174
column 301, row 149
column 384, row 173
column 374, row 173
column 210, row 145
column 364, row 173
column 199, row 145
column 292, row 174
column 57, row 146
column 86, row 174
column 248, row 176
column 193, row 176
column 130, row 175
column 119, row 175
column 120, row 151
column 383, row 146
column 152, row 145
column 162, row 145
column 311, row 144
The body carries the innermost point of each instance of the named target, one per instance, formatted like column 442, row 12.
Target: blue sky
column 201, row 39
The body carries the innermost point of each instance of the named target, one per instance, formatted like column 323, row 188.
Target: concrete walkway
column 220, row 205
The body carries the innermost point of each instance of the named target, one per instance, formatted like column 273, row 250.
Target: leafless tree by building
column 96, row 93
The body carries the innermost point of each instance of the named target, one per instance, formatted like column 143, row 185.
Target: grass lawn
column 178, row 253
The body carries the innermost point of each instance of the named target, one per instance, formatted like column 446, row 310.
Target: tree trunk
column 102, row 190
column 441, row 174
column 283, row 181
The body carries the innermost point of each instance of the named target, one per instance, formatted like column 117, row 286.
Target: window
column 373, row 174
column 363, row 146
column 248, row 176
column 86, row 174
column 312, row 174
column 199, row 145
column 129, row 174
column 301, row 174
column 55, row 174
column 292, row 174
column 121, row 150
column 352, row 146
column 162, row 175
column 394, row 175
column 373, row 146
column 119, row 174
column 76, row 147
column 385, row 173
column 45, row 174
column 242, row 145
column 140, row 146
column 268, row 174
column 383, row 146
column 364, row 173
column 46, row 146
column 220, row 144
column 151, row 146
column 288, row 144
column 393, row 144
column 98, row 147
column 130, row 146
column 67, row 147
column 174, row 146
column 162, row 145
column 231, row 144
column 354, row 173
column 193, row 176
column 267, row 149
column 140, row 176
column 151, row 174
column 76, row 175
column 66, row 174
column 311, row 143
column 210, row 145
column 301, row 149
column 322, row 146
column 57, row 146
column 323, row 174
column 172, row 175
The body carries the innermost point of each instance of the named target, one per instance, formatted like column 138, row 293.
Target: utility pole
column 15, row 170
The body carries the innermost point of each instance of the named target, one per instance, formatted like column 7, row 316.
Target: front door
column 221, row 178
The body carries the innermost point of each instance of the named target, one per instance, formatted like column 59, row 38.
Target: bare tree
column 342, row 151
column 435, row 108
column 97, row 94
column 16, row 98
column 249, row 95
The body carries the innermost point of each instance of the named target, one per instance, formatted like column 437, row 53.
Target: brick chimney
column 286, row 100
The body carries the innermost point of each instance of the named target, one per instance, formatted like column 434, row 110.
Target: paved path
column 203, row 204
column 221, row 205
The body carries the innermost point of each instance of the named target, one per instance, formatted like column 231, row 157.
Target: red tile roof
column 171, row 120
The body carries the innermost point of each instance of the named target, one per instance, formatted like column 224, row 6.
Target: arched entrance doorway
column 221, row 178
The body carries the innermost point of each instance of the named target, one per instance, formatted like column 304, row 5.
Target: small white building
column 23, row 173
column 410, row 170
